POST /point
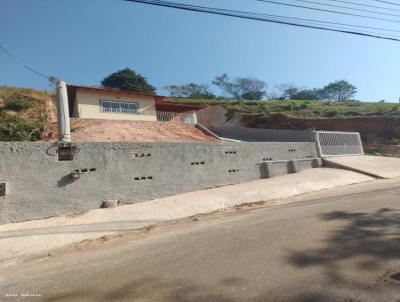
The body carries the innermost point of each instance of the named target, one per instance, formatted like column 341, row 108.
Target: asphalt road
column 340, row 248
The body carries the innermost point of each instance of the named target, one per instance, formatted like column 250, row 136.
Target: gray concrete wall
column 264, row 135
column 39, row 186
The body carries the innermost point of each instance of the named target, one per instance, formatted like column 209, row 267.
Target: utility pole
column 63, row 125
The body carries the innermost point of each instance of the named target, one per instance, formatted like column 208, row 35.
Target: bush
column 370, row 151
column 18, row 129
column 331, row 113
column 17, row 103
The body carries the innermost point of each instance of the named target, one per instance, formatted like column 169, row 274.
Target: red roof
column 162, row 105
column 110, row 90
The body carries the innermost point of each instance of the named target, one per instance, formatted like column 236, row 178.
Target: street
column 325, row 248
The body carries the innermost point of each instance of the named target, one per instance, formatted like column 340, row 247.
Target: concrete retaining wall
column 264, row 135
column 39, row 186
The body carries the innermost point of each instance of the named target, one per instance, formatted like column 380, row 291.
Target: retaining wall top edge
column 168, row 144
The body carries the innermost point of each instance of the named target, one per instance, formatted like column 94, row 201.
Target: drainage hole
column 395, row 276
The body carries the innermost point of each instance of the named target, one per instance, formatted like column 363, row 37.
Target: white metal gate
column 335, row 143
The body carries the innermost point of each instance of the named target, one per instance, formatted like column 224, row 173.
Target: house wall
column 87, row 105
column 39, row 186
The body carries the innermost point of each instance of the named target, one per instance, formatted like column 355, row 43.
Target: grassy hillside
column 24, row 113
column 306, row 109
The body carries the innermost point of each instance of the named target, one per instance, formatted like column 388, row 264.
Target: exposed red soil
column 132, row 131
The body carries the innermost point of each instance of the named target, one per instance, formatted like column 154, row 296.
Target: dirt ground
column 111, row 130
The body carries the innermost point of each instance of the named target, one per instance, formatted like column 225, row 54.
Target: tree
column 230, row 87
column 128, row 80
column 241, row 88
column 286, row 91
column 253, row 95
column 251, row 88
column 307, row 94
column 339, row 91
column 192, row 90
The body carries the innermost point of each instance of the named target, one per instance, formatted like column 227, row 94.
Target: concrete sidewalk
column 377, row 166
column 37, row 236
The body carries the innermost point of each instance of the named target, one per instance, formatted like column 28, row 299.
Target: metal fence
column 335, row 143
column 178, row 117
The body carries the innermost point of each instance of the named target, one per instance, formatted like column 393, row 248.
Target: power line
column 335, row 25
column 326, row 22
column 347, row 7
column 252, row 16
column 8, row 53
column 329, row 11
column 366, row 5
column 329, row 22
column 387, row 2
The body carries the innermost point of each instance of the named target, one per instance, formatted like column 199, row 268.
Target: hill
column 24, row 113
column 305, row 109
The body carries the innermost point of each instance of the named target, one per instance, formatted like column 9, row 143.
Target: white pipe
column 63, row 125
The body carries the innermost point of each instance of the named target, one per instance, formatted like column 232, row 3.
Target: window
column 118, row 107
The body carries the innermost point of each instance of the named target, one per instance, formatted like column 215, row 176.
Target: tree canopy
column 241, row 88
column 339, row 91
column 128, row 80
column 335, row 91
column 192, row 90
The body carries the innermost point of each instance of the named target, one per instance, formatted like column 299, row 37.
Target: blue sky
column 83, row 41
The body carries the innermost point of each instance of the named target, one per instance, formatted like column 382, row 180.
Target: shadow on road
column 365, row 240
column 153, row 289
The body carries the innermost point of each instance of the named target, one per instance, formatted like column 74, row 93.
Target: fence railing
column 336, row 143
column 189, row 117
column 178, row 117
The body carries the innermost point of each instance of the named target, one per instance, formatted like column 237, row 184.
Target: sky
column 81, row 42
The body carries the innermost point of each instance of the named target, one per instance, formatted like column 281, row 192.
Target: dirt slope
column 134, row 131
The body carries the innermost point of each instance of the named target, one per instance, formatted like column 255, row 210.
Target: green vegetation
column 191, row 90
column 307, row 108
column 19, row 129
column 17, row 102
column 128, row 80
column 241, row 88
column 370, row 151
column 23, row 114
column 395, row 141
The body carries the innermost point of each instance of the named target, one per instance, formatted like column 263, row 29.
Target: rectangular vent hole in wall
column 292, row 150
column 310, row 156
column 233, row 170
column 267, row 158
column 65, row 153
column 141, row 155
column 143, row 178
column 3, row 188
column 197, row 163
column 85, row 170
column 230, row 152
